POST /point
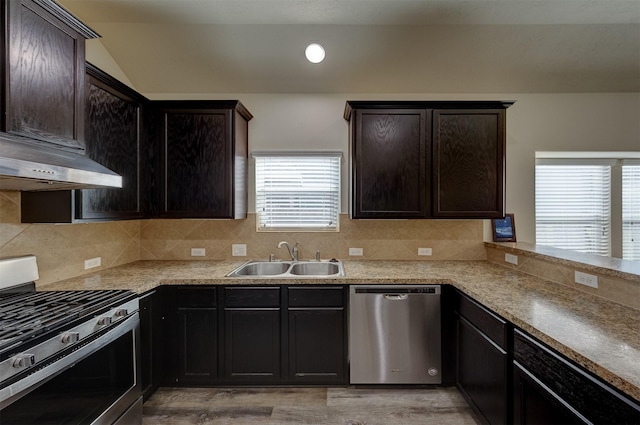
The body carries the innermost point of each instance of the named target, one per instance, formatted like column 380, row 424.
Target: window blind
column 573, row 205
column 631, row 210
column 298, row 191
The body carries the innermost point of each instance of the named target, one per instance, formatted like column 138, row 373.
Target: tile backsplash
column 62, row 249
column 379, row 239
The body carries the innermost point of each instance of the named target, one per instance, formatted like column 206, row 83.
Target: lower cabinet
column 251, row 342
column 482, row 360
column 197, row 336
column 256, row 335
column 550, row 389
column 317, row 336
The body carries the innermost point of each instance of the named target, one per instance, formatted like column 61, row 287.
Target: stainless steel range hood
column 27, row 166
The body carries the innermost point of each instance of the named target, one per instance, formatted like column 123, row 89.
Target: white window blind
column 631, row 210
column 573, row 205
column 298, row 191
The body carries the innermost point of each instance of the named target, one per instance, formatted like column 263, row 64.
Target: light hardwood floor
column 335, row 406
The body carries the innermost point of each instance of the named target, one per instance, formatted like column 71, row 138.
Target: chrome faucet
column 293, row 251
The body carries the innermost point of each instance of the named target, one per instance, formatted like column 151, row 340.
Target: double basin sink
column 300, row 268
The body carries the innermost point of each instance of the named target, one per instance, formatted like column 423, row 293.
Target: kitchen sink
column 289, row 269
column 262, row 268
column 322, row 268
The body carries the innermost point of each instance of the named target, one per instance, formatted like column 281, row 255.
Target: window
column 297, row 191
column 589, row 205
column 631, row 210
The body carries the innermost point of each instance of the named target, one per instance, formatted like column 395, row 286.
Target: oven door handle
column 18, row 389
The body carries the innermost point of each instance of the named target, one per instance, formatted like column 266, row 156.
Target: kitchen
column 551, row 119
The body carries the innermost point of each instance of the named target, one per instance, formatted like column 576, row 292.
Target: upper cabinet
column 414, row 159
column 468, row 148
column 389, row 163
column 44, row 73
column 115, row 137
column 202, row 153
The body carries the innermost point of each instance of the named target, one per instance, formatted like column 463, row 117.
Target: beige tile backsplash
column 609, row 287
column 379, row 239
column 62, row 249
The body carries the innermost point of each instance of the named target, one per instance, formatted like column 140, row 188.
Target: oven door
column 95, row 384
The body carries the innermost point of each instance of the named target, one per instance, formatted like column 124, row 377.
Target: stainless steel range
column 66, row 356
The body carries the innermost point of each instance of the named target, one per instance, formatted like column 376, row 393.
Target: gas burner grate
column 30, row 315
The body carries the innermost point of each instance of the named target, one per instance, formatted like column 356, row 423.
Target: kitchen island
column 601, row 336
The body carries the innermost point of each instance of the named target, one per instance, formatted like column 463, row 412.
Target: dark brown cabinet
column 414, row 159
column 317, row 336
column 389, row 163
column 116, row 138
column 44, row 73
column 197, row 336
column 483, row 360
column 202, row 170
column 550, row 389
column 468, row 163
column 252, row 329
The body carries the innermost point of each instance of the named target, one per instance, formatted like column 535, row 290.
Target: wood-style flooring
column 335, row 406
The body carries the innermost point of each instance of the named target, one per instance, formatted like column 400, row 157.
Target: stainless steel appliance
column 394, row 334
column 66, row 356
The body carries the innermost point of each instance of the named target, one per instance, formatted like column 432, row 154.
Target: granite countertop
column 602, row 336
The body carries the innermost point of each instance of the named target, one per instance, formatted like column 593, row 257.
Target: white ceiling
column 373, row 46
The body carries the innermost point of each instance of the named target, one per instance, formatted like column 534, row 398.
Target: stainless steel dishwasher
column 394, row 334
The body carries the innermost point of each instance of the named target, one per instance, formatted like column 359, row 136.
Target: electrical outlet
column 198, row 252
column 511, row 259
column 239, row 250
column 356, row 252
column 586, row 279
column 93, row 262
column 425, row 251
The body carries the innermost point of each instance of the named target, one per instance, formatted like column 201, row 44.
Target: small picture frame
column 504, row 229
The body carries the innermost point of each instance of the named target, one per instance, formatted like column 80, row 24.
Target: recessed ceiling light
column 314, row 53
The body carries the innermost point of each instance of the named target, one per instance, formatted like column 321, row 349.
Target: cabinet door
column 45, row 94
column 115, row 139
column 482, row 373
column 316, row 346
column 468, row 163
column 198, row 164
column 197, row 335
column 389, row 164
column 252, row 345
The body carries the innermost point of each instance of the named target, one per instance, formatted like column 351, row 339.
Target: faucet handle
column 317, row 255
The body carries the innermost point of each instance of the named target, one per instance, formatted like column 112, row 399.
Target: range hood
column 28, row 166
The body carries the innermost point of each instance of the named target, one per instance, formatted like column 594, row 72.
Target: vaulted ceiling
column 372, row 46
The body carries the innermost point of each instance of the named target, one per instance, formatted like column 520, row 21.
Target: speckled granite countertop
column 602, row 336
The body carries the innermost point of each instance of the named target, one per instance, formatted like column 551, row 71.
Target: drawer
column 196, row 297
column 486, row 321
column 313, row 296
column 252, row 297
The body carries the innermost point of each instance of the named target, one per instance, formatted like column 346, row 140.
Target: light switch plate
column 356, row 252
column 425, row 251
column 93, row 262
column 586, row 279
column 511, row 259
column 239, row 250
column 198, row 252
